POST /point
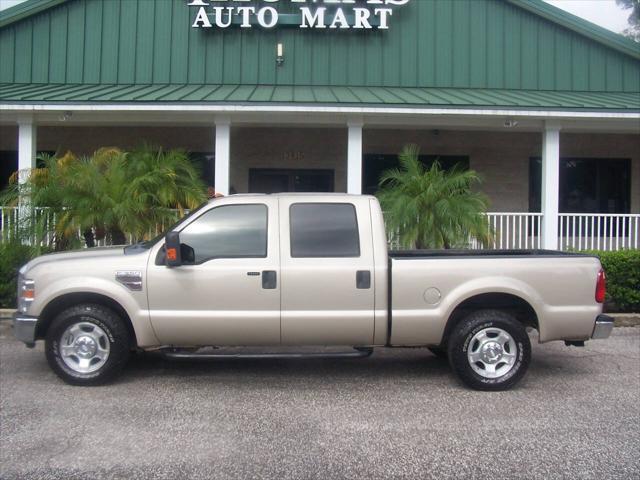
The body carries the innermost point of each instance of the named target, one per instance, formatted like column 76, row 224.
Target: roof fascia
column 26, row 9
column 581, row 26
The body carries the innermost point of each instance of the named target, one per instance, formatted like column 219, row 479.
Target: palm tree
column 116, row 192
column 432, row 208
column 112, row 192
column 45, row 187
column 170, row 175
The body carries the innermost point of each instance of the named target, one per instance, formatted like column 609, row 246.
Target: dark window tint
column 273, row 180
column 227, row 232
column 324, row 230
column 587, row 185
column 9, row 164
column 205, row 164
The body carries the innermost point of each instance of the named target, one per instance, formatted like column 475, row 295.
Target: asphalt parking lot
column 397, row 414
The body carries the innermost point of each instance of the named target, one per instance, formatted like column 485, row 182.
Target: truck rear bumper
column 24, row 328
column 603, row 327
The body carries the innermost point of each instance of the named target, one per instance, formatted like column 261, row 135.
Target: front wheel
column 490, row 350
column 87, row 345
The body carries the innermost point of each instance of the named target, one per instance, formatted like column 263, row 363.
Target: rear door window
column 323, row 230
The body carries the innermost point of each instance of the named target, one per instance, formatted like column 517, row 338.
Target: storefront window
column 276, row 180
column 374, row 165
column 8, row 165
column 587, row 185
column 205, row 164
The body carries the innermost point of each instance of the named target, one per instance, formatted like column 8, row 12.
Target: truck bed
column 425, row 290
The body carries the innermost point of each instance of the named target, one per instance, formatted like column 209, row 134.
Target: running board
column 176, row 354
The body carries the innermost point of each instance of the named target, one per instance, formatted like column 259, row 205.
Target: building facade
column 321, row 96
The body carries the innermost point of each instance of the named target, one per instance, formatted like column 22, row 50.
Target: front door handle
column 363, row 279
column 269, row 279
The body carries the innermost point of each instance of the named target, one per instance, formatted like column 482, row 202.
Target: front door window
column 230, row 231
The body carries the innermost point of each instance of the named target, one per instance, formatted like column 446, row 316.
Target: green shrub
column 623, row 279
column 12, row 256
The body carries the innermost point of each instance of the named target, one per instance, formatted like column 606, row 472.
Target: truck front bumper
column 603, row 327
column 24, row 328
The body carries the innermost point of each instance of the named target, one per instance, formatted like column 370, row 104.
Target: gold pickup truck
column 293, row 270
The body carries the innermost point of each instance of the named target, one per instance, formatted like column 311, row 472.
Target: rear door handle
column 363, row 279
column 269, row 279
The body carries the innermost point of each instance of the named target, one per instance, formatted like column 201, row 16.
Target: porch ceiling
column 272, row 95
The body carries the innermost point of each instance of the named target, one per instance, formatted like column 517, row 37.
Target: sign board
column 312, row 14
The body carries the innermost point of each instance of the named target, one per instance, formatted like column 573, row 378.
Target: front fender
column 133, row 303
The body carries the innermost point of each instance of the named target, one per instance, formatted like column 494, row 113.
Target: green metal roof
column 327, row 95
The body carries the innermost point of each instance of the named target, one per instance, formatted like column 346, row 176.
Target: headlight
column 26, row 293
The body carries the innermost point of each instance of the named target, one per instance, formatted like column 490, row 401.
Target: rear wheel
column 87, row 344
column 490, row 350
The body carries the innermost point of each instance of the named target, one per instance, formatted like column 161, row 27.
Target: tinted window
column 324, row 230
column 273, row 180
column 587, row 185
column 227, row 232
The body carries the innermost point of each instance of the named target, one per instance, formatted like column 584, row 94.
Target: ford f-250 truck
column 303, row 270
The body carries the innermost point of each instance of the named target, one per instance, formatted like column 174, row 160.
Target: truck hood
column 85, row 254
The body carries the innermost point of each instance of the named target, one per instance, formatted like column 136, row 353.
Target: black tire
column 441, row 353
column 460, row 344
column 115, row 333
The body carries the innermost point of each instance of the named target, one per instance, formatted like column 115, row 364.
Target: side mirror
column 173, row 257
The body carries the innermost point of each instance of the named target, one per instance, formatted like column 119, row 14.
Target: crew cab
column 303, row 270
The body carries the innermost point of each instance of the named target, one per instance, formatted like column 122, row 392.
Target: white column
column 27, row 136
column 354, row 157
column 223, row 155
column 550, row 186
column 27, row 132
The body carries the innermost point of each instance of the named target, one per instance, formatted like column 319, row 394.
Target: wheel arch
column 514, row 304
column 61, row 303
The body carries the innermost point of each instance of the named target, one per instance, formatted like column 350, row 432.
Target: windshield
column 146, row 245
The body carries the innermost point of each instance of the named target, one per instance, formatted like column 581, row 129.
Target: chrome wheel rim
column 492, row 352
column 84, row 347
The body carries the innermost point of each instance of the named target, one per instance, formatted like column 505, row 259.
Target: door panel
column 220, row 301
column 321, row 301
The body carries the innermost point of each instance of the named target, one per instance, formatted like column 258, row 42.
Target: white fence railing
column 44, row 234
column 595, row 231
column 8, row 223
column 511, row 231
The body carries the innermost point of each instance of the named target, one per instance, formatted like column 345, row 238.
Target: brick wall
column 501, row 158
column 312, row 148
